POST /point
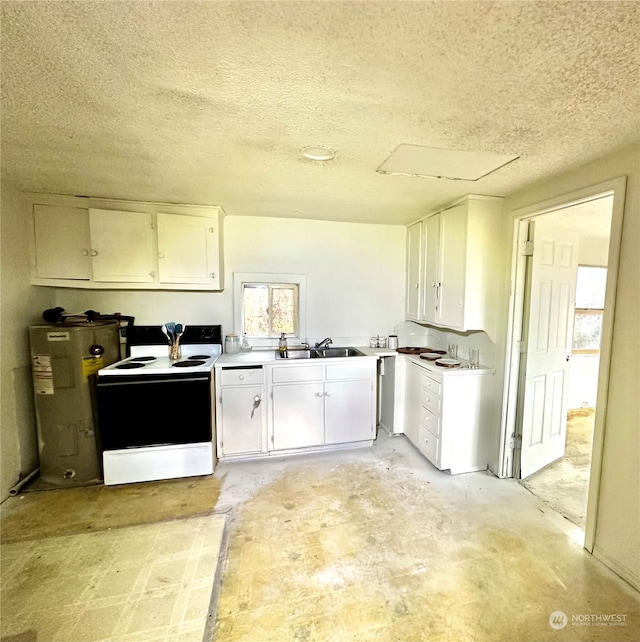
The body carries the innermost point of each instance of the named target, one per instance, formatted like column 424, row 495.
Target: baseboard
column 628, row 576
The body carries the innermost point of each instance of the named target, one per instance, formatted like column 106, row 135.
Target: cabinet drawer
column 344, row 371
column 429, row 384
column 428, row 444
column 294, row 374
column 430, row 421
column 431, row 400
column 240, row 376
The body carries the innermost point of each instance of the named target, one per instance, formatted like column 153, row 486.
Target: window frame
column 589, row 311
column 240, row 279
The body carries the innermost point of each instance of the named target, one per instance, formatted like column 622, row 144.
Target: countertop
column 263, row 357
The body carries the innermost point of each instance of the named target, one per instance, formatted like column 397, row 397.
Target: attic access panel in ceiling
column 429, row 162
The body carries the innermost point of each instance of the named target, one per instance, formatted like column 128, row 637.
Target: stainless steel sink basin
column 297, row 354
column 339, row 352
column 320, row 353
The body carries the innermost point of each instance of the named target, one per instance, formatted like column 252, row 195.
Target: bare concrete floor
column 564, row 485
column 371, row 544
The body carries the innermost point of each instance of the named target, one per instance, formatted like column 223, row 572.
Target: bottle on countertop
column 282, row 344
column 245, row 346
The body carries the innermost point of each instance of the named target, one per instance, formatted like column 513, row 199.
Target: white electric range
column 156, row 417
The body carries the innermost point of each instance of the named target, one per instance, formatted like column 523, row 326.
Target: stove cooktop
column 149, row 352
column 200, row 361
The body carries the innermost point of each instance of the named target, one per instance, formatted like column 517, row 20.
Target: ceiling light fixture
column 318, row 152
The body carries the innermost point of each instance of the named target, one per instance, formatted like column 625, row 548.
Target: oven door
column 154, row 410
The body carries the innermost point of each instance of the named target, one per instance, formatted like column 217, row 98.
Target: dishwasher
column 386, row 393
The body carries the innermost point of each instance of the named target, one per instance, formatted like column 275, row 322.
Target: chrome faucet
column 324, row 343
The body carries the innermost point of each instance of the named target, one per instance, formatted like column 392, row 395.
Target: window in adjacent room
column 267, row 305
column 589, row 309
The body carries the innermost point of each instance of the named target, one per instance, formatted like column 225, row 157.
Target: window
column 268, row 309
column 589, row 309
column 268, row 304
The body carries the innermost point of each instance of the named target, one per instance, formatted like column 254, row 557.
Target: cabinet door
column 414, row 271
column 122, row 246
column 298, row 416
column 241, row 422
column 453, row 249
column 188, row 249
column 348, row 411
column 61, row 243
column 431, row 280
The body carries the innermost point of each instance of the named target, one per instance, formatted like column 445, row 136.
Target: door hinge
column 516, row 442
column 527, row 248
column 521, row 346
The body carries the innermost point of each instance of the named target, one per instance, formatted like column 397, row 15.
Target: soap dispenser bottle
column 282, row 344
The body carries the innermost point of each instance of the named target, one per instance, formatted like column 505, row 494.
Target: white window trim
column 262, row 277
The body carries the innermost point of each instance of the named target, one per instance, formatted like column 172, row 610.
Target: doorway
column 537, row 440
column 564, row 483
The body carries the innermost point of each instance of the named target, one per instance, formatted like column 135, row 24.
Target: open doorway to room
column 559, row 348
column 564, row 484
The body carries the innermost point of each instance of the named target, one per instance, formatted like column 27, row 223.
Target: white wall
column 355, row 278
column 21, row 306
column 617, row 539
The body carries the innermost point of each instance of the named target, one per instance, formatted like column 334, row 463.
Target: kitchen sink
column 339, row 352
column 320, row 353
column 297, row 354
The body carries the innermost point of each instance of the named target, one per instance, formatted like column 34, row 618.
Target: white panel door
column 122, row 246
column 298, row 416
column 453, row 253
column 187, row 249
column 241, row 420
column 414, row 267
column 61, row 242
column 431, row 281
column 348, row 411
column 549, row 334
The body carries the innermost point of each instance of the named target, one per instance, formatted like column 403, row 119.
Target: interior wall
column 355, row 277
column 617, row 538
column 21, row 306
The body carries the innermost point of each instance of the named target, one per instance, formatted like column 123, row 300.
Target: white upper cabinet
column 189, row 249
column 122, row 246
column 61, row 243
column 463, row 268
column 414, row 272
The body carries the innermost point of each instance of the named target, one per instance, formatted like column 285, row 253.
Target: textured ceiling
column 210, row 102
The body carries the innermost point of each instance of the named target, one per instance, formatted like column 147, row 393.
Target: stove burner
column 142, row 359
column 129, row 366
column 200, row 356
column 188, row 364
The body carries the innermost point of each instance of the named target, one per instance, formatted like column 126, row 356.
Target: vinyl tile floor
column 367, row 544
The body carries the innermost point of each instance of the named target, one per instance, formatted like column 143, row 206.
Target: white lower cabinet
column 447, row 417
column 322, row 405
column 298, row 416
column 347, row 411
column 276, row 409
column 240, row 414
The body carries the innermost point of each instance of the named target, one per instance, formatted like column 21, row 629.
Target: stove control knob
column 96, row 350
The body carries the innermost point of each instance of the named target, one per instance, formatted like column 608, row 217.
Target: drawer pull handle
column 318, row 394
column 327, row 394
column 241, row 377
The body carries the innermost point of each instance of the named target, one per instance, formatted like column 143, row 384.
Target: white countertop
column 262, row 357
